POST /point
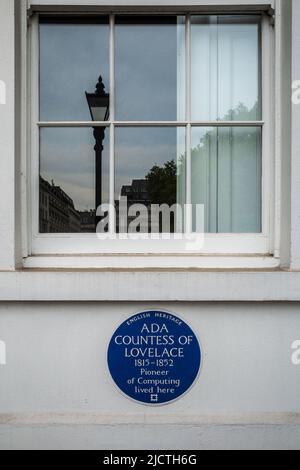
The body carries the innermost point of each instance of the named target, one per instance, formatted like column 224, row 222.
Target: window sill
column 149, row 286
column 149, row 262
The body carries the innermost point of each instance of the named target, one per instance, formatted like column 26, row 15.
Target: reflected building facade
column 136, row 193
column 88, row 221
column 58, row 213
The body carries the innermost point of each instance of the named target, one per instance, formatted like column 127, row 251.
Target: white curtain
column 226, row 161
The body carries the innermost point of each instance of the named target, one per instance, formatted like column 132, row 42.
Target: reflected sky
column 150, row 68
column 67, row 157
column 72, row 56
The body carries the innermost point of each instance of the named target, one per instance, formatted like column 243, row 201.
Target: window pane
column 150, row 169
column 150, row 68
column 226, row 68
column 73, row 54
column 68, row 188
column 226, row 178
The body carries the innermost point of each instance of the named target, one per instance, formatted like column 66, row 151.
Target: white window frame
column 66, row 250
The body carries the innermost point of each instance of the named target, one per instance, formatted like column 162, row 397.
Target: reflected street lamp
column 99, row 108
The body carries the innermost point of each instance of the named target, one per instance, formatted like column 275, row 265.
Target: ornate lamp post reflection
column 99, row 108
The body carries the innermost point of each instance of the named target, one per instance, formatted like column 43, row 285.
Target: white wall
column 55, row 390
column 295, row 206
column 56, row 373
column 7, row 167
column 56, row 358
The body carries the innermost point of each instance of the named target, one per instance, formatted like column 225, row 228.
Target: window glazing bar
column 74, row 124
column 151, row 123
column 227, row 123
column 112, row 220
column 188, row 212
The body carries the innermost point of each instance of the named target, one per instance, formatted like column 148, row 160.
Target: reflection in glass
column 226, row 68
column 68, row 179
column 73, row 54
column 150, row 68
column 99, row 102
column 226, row 178
column 150, row 170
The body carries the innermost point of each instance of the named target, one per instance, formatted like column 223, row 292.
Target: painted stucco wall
column 55, row 390
column 56, row 375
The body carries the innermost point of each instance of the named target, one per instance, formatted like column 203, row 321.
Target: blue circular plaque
column 154, row 357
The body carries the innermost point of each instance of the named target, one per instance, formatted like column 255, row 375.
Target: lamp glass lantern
column 99, row 106
column 98, row 103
